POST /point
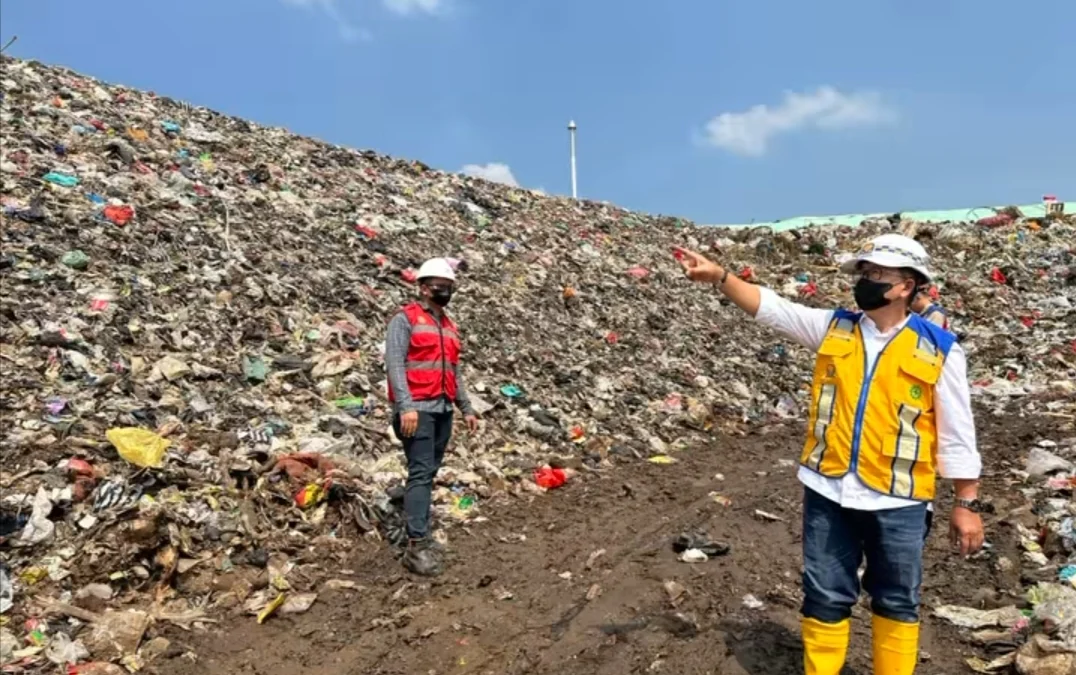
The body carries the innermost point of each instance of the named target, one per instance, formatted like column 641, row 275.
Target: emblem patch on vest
column 831, row 370
column 916, row 392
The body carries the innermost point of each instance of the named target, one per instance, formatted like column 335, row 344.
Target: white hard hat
column 436, row 268
column 892, row 250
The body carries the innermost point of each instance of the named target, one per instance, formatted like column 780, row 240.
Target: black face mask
column 441, row 296
column 870, row 295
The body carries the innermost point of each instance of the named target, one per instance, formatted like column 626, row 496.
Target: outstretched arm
column 698, row 268
column 804, row 325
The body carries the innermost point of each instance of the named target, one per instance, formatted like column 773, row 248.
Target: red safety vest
column 432, row 356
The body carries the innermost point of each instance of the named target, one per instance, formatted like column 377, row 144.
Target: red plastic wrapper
column 120, row 215
column 366, row 231
column 550, row 478
column 309, row 496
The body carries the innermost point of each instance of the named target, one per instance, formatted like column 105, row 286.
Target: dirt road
column 584, row 580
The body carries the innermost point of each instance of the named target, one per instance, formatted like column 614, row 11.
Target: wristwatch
column 973, row 505
column 721, row 281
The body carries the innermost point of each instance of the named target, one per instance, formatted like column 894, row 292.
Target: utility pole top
column 571, row 135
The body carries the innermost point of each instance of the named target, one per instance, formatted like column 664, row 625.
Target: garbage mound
column 191, row 340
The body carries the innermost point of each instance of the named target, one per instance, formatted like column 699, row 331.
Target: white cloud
column 493, row 172
column 347, row 30
column 333, row 10
column 750, row 132
column 408, row 7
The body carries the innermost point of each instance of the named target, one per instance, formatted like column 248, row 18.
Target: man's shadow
column 767, row 648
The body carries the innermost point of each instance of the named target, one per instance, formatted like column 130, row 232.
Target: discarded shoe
column 701, row 542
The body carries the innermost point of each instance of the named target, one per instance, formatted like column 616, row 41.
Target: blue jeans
column 835, row 542
column 424, row 451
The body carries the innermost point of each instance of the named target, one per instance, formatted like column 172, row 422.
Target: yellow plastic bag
column 662, row 459
column 271, row 608
column 140, row 447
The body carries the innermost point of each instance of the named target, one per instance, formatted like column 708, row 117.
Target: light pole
column 571, row 133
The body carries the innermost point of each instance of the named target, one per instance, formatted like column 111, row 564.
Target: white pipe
column 571, row 132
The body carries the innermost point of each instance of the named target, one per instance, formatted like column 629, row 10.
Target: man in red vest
column 422, row 356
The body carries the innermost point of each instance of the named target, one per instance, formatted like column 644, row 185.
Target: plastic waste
column 970, row 617
column 140, row 447
column 693, row 555
column 309, row 496
column 118, row 215
column 240, row 239
column 96, row 668
column 662, row 459
column 550, row 478
column 751, row 602
column 1041, row 462
column 62, row 650
column 255, row 369
column 39, row 528
column 61, row 179
column 511, row 391
column 76, row 260
column 7, row 589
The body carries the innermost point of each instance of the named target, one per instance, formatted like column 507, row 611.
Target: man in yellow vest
column 890, row 411
column 924, row 306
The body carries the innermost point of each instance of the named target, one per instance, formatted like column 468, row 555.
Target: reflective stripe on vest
column 432, row 356
column 880, row 424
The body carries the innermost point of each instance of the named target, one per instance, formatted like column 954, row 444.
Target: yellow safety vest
column 880, row 424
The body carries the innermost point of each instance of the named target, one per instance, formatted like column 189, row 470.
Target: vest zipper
column 444, row 360
column 864, row 393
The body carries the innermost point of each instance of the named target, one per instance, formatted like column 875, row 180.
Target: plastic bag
column 140, row 447
column 1042, row 462
column 549, row 478
column 62, row 650
column 7, row 589
column 39, row 527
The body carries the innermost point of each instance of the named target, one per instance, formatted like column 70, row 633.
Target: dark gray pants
column 424, row 451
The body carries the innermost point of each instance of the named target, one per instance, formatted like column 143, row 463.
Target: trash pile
column 191, row 338
column 1038, row 634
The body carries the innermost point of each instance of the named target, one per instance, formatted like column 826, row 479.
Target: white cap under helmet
column 438, row 268
column 892, row 250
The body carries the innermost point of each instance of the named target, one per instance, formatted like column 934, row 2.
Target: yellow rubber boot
column 824, row 646
column 895, row 646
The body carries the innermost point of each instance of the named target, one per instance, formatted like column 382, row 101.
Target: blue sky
column 720, row 111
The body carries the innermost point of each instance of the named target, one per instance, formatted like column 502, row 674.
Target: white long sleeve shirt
column 958, row 456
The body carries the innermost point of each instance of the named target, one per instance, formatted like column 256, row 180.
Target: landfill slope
column 224, row 288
